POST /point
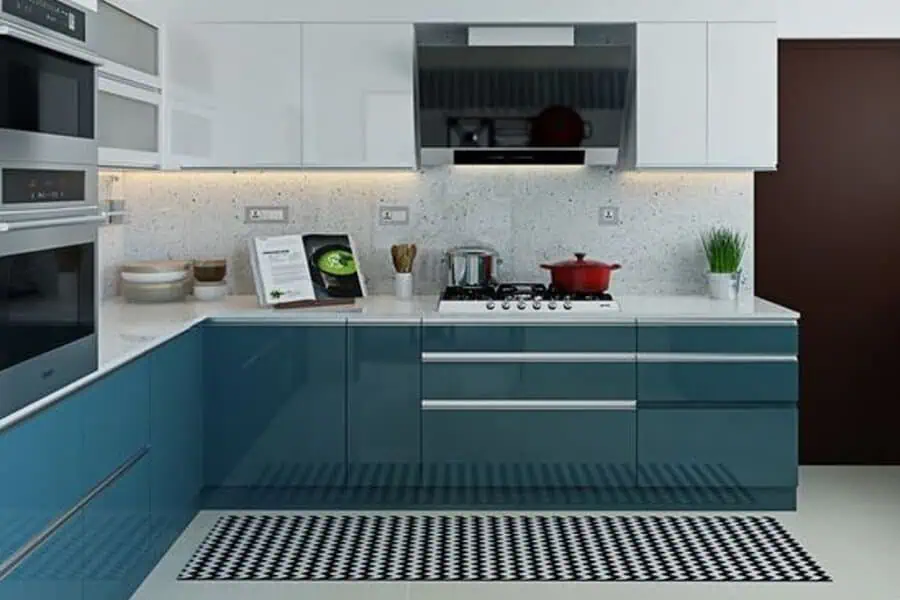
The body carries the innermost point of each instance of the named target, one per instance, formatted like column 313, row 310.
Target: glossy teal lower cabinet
column 722, row 381
column 116, row 418
column 777, row 339
column 555, row 337
column 274, row 405
column 176, row 435
column 717, row 448
column 54, row 571
column 117, row 531
column 529, row 380
column 504, row 446
column 40, row 472
column 383, row 391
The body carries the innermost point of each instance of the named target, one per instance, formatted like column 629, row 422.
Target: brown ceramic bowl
column 210, row 271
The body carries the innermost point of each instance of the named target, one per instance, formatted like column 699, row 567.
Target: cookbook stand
column 315, row 303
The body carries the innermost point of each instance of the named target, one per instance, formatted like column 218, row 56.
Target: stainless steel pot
column 471, row 266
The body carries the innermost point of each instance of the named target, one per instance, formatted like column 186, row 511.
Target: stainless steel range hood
column 481, row 89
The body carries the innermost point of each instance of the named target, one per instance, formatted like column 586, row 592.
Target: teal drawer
column 529, row 380
column 521, row 448
column 529, row 338
column 717, row 448
column 711, row 381
column 728, row 339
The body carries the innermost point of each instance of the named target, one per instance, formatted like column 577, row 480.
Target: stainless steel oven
column 48, row 84
column 48, row 306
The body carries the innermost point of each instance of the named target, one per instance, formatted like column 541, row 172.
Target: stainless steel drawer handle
column 8, row 566
column 528, row 357
column 37, row 223
column 487, row 405
column 686, row 357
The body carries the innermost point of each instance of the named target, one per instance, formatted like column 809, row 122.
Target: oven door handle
column 38, row 223
column 25, row 35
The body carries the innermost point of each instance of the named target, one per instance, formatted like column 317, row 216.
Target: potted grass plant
column 724, row 248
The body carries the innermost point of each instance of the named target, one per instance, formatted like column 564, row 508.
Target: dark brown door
column 828, row 243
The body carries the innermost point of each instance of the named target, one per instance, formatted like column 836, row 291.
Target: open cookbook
column 306, row 269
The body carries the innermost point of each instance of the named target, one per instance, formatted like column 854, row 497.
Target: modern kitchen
column 424, row 299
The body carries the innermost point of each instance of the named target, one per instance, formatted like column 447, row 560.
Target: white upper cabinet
column 358, row 99
column 743, row 95
column 670, row 98
column 236, row 97
column 706, row 95
column 128, row 37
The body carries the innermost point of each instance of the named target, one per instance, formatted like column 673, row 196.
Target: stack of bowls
column 209, row 279
column 156, row 281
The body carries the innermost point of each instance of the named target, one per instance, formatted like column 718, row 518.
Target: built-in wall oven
column 49, row 212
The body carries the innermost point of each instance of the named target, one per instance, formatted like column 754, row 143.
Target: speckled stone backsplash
column 530, row 215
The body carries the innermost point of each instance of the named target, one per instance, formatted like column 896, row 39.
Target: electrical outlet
column 393, row 215
column 609, row 215
column 266, row 214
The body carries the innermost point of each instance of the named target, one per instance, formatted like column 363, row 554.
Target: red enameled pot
column 581, row 276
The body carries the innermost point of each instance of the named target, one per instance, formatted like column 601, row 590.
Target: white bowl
column 208, row 293
column 164, row 277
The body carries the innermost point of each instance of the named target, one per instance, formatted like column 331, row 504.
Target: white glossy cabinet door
column 743, row 95
column 671, row 95
column 242, row 99
column 358, row 101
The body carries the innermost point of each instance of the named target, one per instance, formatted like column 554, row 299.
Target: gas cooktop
column 522, row 298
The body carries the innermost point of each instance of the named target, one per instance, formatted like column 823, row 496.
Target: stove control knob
column 521, row 305
column 537, row 304
column 552, row 305
column 505, row 305
column 567, row 304
column 491, row 305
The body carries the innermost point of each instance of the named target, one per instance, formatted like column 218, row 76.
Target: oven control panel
column 51, row 14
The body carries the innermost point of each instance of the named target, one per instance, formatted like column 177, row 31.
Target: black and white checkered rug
column 424, row 547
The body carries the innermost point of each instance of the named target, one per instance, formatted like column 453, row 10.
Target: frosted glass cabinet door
column 128, row 39
column 128, row 127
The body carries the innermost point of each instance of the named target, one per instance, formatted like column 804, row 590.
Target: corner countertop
column 128, row 331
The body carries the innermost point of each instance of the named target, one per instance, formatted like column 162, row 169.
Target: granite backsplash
column 530, row 215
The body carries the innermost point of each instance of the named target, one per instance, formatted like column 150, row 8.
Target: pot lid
column 472, row 250
column 581, row 262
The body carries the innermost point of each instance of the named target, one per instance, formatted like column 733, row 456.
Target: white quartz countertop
column 127, row 329
column 130, row 330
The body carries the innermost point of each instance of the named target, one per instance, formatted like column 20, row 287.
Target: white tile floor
column 849, row 520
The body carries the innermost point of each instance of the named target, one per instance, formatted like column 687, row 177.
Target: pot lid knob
column 579, row 256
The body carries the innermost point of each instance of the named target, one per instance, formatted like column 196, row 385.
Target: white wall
column 830, row 19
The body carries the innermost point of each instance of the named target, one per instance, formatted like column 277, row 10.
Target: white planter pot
column 723, row 286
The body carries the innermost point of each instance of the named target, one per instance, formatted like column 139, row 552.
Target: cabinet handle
column 8, row 566
column 528, row 357
column 689, row 357
column 493, row 405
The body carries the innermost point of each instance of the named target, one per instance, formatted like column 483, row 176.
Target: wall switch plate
column 393, row 215
column 609, row 215
column 266, row 214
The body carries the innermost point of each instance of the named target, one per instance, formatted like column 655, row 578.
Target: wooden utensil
column 403, row 256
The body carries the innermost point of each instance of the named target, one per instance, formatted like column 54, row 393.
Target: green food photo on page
column 337, row 262
column 724, row 249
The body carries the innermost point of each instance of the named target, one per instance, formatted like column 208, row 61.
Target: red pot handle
column 615, row 267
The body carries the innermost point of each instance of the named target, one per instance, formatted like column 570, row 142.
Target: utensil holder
column 403, row 286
